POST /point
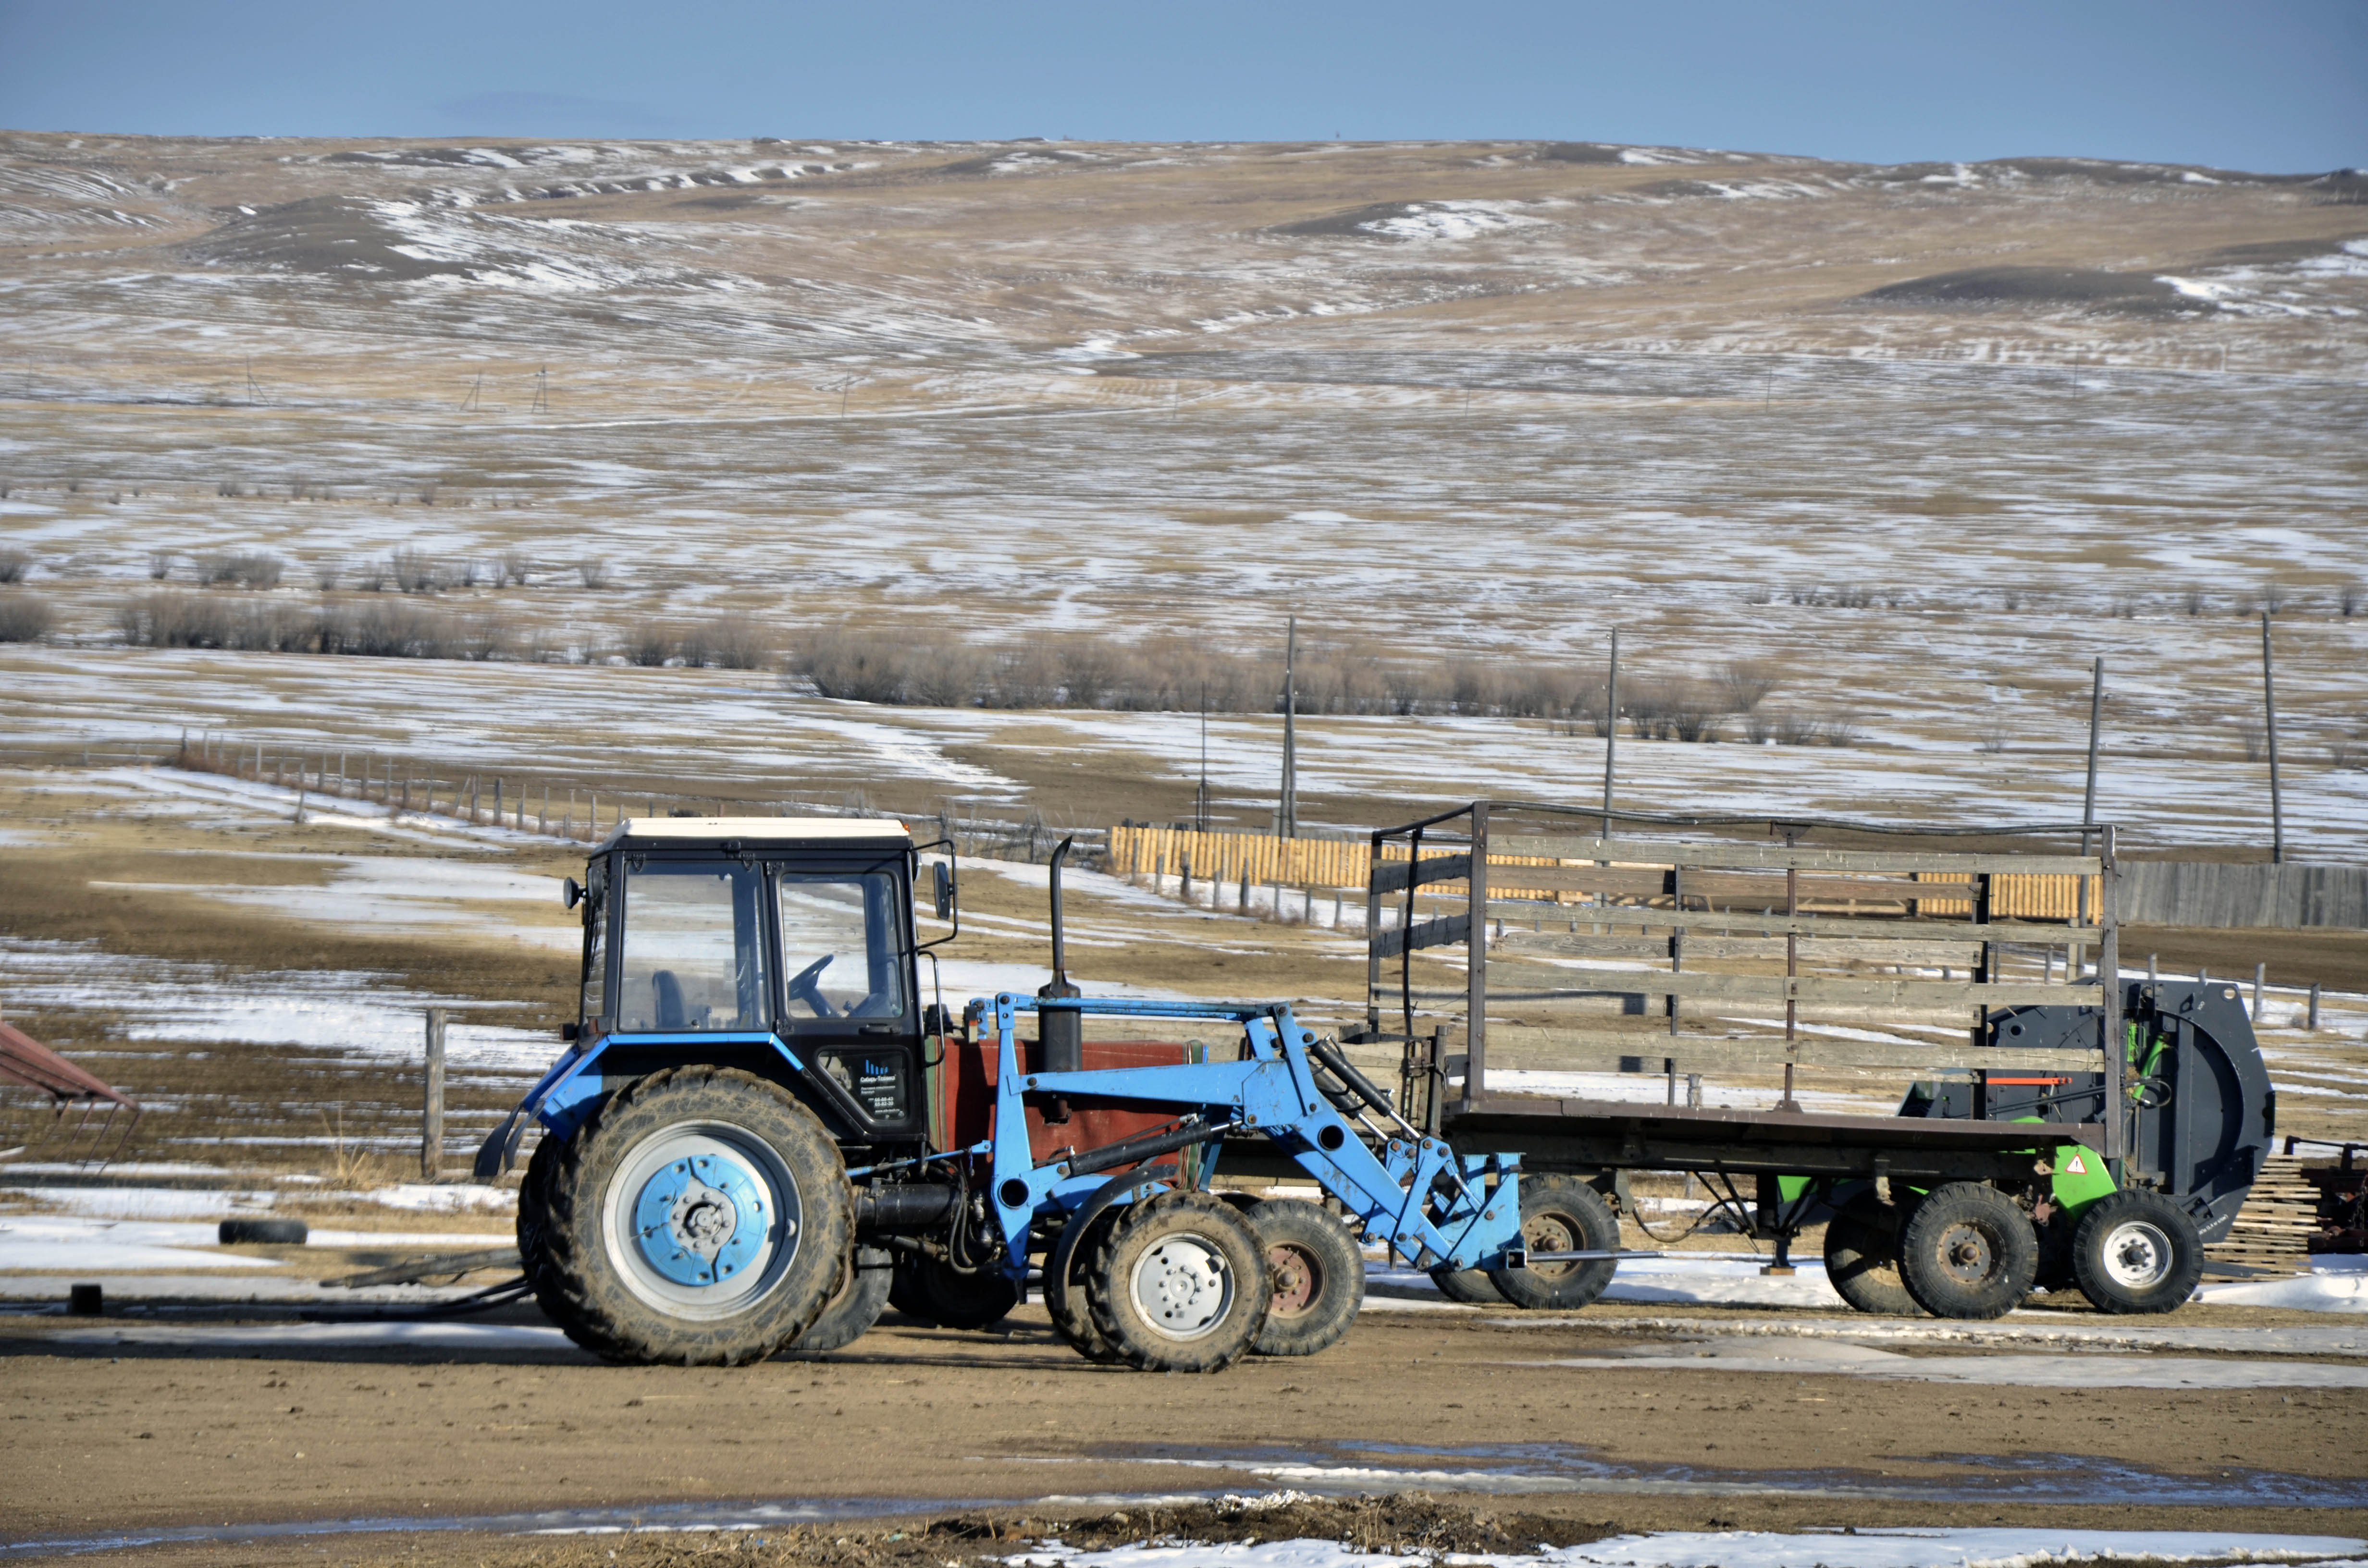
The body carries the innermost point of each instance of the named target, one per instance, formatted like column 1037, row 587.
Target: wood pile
column 2280, row 1217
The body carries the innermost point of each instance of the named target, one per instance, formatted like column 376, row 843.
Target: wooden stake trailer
column 1669, row 948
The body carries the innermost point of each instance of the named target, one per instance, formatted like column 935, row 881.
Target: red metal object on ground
column 26, row 1062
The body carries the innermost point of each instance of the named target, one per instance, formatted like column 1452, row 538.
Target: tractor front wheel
column 1180, row 1284
column 700, row 1217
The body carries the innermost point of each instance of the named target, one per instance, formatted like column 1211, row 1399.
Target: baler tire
column 1179, row 1234
column 1469, row 1286
column 584, row 1284
column 848, row 1315
column 1066, row 1302
column 904, row 1289
column 1317, row 1273
column 2147, row 1236
column 965, row 1301
column 1862, row 1261
column 1564, row 1214
column 1968, row 1252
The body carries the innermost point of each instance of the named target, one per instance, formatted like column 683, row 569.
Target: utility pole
column 1201, row 807
column 1610, row 729
column 1286, row 816
column 2270, row 714
column 2089, row 803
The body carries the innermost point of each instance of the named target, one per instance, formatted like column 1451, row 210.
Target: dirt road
column 101, row 1435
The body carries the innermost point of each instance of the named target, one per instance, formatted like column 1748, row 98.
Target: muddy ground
column 102, row 1436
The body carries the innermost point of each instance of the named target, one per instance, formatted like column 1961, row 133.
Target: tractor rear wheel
column 1561, row 1214
column 2135, row 1252
column 1317, row 1275
column 1968, row 1250
column 700, row 1217
column 848, row 1315
column 1863, row 1260
column 1180, row 1284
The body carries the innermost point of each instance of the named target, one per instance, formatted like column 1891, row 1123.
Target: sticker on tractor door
column 880, row 1084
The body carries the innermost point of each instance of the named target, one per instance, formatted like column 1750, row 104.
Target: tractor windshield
column 694, row 947
column 841, row 945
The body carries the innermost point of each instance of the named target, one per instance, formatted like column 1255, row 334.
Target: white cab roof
column 760, row 830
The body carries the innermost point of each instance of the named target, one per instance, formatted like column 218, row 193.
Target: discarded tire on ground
column 701, row 1217
column 1561, row 1214
column 1316, row 1273
column 262, row 1232
column 1968, row 1252
column 2135, row 1252
column 848, row 1315
column 1180, row 1284
column 1863, row 1260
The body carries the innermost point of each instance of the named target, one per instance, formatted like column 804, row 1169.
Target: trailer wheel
column 1065, row 1297
column 700, row 1217
column 1472, row 1287
column 951, row 1299
column 848, row 1315
column 2135, row 1252
column 1561, row 1214
column 1180, row 1284
column 1968, row 1252
column 1863, row 1260
column 1318, row 1274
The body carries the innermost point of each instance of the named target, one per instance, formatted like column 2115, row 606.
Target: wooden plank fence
column 1634, row 877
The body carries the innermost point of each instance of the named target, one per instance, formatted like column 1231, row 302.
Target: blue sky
column 2274, row 85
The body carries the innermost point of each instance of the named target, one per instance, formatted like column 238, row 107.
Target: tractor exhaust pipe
column 1061, row 1029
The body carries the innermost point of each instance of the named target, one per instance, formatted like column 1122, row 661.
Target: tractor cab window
column 694, row 947
column 842, row 946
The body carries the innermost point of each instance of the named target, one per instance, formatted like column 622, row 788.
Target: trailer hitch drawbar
column 1517, row 1257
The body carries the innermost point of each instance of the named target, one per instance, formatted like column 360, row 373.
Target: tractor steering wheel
column 803, row 989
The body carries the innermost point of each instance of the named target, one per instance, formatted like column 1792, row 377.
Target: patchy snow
column 1887, row 1547
column 33, row 1243
column 448, row 1198
column 1452, row 221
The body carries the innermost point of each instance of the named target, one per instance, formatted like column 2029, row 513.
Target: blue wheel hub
column 701, row 1219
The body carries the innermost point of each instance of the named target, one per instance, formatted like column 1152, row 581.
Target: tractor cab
column 784, row 945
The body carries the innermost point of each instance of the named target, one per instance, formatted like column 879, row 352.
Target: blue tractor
column 760, row 1136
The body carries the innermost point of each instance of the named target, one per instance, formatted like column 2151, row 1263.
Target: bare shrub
column 856, row 665
column 1993, row 739
column 1759, row 727
column 648, row 644
column 2253, row 738
column 1746, row 683
column 2350, row 599
column 516, row 566
column 23, row 618
column 1758, row 593
column 159, row 565
column 388, row 629
column 2271, row 599
column 1806, row 730
column 2010, row 600
column 481, row 635
column 370, row 576
column 1851, row 597
column 13, row 566
column 1089, row 668
column 1025, row 676
column 325, row 572
column 945, row 672
column 174, row 620
column 2193, row 602
column 246, row 569
column 593, row 574
column 415, row 571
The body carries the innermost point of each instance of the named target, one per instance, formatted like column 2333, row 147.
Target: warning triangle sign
column 2076, row 1166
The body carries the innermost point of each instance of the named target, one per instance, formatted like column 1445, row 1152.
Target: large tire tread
column 577, row 1287
column 2108, row 1294
column 1863, row 1260
column 1139, row 1226
column 1324, row 1245
column 1968, row 1210
column 1564, row 1207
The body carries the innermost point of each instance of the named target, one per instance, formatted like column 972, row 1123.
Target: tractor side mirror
column 570, row 892
column 941, row 880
